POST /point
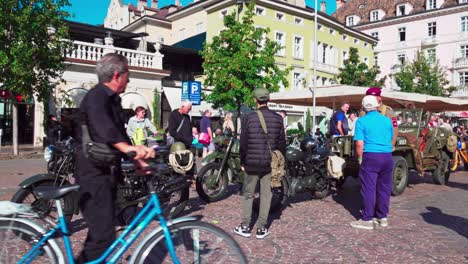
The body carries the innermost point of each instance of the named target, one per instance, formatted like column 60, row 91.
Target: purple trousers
column 376, row 184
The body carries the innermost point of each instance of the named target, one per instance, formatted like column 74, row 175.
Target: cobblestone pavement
column 428, row 224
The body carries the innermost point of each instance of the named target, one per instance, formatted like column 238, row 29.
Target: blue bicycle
column 181, row 240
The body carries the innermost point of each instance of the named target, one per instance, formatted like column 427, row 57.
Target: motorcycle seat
column 49, row 192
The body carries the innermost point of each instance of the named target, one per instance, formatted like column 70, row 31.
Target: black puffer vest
column 255, row 154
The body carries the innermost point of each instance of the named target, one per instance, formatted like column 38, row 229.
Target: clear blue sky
column 94, row 11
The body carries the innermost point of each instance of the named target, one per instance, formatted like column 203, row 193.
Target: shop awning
column 174, row 96
column 133, row 100
column 333, row 96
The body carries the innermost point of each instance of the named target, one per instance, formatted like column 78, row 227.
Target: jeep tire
column 399, row 175
column 441, row 174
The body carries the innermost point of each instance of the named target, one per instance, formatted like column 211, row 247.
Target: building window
column 401, row 58
column 431, row 55
column 298, row 47
column 375, row 35
column 280, row 16
column 464, row 24
column 366, row 44
column 431, row 4
column 376, row 60
column 431, row 29
column 199, row 27
column 463, row 78
column 345, row 37
column 366, row 61
column 402, row 33
column 350, row 21
column 401, row 10
column 298, row 21
column 296, row 81
column 323, row 56
column 374, row 15
column 331, row 32
column 356, row 41
column 224, row 13
column 259, row 11
column 281, row 40
column 464, row 51
column 344, row 56
column 182, row 34
column 320, row 27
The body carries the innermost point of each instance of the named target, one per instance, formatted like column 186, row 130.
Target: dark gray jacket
column 254, row 151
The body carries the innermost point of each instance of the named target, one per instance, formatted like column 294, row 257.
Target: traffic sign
column 185, row 90
column 195, row 93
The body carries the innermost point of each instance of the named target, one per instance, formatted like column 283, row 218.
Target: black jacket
column 254, row 151
column 185, row 133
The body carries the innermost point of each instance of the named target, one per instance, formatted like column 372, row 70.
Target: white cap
column 369, row 102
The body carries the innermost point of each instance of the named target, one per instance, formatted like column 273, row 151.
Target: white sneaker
column 262, row 233
column 369, row 225
column 383, row 222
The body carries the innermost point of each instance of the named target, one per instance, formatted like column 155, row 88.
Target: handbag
column 204, row 138
column 100, row 153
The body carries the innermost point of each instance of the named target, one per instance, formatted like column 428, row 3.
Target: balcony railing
column 460, row 63
column 462, row 92
column 429, row 41
column 94, row 52
column 326, row 68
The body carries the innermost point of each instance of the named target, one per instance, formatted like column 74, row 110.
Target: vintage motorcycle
column 222, row 168
column 131, row 189
column 460, row 157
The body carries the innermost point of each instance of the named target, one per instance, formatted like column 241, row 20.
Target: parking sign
column 185, row 90
column 195, row 93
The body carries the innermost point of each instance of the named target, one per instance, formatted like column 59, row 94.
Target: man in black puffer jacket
column 256, row 161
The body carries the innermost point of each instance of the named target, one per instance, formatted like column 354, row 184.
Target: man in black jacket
column 256, row 161
column 180, row 127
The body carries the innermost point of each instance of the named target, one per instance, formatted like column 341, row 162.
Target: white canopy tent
column 333, row 96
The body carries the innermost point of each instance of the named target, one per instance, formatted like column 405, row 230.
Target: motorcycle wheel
column 322, row 189
column 278, row 200
column 173, row 204
column 45, row 206
column 209, row 190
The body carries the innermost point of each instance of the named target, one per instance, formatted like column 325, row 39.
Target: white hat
column 369, row 102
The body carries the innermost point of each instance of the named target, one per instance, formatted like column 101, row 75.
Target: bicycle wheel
column 194, row 242
column 17, row 238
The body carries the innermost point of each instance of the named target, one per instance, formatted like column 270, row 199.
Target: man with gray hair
column 373, row 136
column 101, row 111
column 180, row 127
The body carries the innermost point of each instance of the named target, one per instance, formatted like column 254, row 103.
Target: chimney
column 299, row 3
column 323, row 7
column 177, row 3
column 141, row 4
column 340, row 3
column 154, row 4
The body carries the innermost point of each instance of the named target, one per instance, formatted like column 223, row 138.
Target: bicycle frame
column 151, row 210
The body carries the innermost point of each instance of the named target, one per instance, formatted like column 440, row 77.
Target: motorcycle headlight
column 48, row 153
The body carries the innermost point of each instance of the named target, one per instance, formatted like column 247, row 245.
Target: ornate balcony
column 328, row 68
column 460, row 63
column 429, row 41
column 87, row 51
column 461, row 92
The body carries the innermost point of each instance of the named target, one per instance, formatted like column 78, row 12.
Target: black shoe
column 262, row 232
column 242, row 230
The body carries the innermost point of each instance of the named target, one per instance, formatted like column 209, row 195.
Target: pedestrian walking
column 228, row 125
column 101, row 111
column 180, row 127
column 339, row 122
column 206, row 134
column 255, row 150
column 373, row 137
column 138, row 127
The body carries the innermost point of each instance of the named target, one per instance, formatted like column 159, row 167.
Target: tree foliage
column 358, row 73
column 421, row 76
column 30, row 56
column 239, row 60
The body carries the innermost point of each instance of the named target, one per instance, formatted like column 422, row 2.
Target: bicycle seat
column 46, row 192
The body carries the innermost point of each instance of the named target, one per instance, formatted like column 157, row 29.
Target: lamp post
column 314, row 63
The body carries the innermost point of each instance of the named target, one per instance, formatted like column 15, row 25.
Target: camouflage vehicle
column 418, row 147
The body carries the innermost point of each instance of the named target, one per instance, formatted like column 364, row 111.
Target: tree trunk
column 15, row 129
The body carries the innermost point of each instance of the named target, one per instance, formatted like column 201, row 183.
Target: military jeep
column 418, row 147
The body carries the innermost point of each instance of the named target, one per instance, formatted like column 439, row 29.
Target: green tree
column 31, row 49
column 421, row 76
column 239, row 60
column 358, row 73
column 308, row 121
column 156, row 105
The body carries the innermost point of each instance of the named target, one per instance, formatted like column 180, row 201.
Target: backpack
column 277, row 158
column 138, row 137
